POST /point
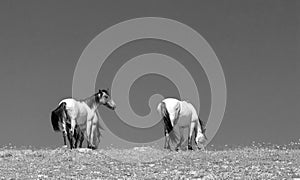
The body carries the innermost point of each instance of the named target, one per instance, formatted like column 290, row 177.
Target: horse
column 181, row 113
column 82, row 113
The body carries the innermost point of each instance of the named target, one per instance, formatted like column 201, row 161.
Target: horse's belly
column 81, row 120
column 184, row 121
column 82, row 127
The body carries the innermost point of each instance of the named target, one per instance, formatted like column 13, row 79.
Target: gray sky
column 257, row 43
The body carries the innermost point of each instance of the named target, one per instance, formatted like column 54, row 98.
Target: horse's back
column 192, row 111
column 170, row 101
column 185, row 109
column 74, row 109
column 171, row 104
column 70, row 103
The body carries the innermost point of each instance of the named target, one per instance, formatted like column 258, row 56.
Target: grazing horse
column 82, row 113
column 183, row 114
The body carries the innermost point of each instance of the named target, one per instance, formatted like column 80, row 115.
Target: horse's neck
column 194, row 114
column 94, row 107
column 91, row 103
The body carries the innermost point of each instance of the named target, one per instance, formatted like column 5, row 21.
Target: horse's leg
column 95, row 123
column 64, row 131
column 191, row 129
column 81, row 138
column 168, row 141
column 180, row 138
column 88, row 132
column 76, row 142
column 166, row 135
column 98, row 133
column 73, row 124
column 76, row 136
column 70, row 138
column 64, row 136
column 92, row 136
column 172, row 135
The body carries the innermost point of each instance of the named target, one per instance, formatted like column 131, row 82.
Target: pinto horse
column 82, row 113
column 181, row 113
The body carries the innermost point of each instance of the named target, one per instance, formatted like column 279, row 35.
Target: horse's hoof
column 190, row 148
column 91, row 147
column 201, row 149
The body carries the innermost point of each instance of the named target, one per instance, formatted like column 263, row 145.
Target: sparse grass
column 150, row 163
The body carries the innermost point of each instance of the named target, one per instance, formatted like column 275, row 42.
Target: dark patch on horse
column 167, row 122
column 57, row 116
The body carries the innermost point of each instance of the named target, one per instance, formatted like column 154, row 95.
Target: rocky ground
column 149, row 163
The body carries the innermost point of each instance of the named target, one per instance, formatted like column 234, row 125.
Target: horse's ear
column 100, row 92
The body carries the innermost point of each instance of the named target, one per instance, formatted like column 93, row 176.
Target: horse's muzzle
column 111, row 104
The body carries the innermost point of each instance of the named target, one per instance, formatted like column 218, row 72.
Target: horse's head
column 201, row 138
column 104, row 98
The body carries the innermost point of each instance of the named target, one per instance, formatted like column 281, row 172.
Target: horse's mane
column 90, row 101
column 105, row 91
column 203, row 128
column 202, row 125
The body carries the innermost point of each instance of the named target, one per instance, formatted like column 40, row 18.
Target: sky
column 256, row 42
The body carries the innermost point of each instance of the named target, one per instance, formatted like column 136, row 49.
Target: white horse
column 183, row 114
column 83, row 113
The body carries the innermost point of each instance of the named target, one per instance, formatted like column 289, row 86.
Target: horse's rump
column 167, row 121
column 57, row 115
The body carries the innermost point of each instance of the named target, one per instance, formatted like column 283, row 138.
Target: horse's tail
column 57, row 116
column 167, row 121
column 166, row 117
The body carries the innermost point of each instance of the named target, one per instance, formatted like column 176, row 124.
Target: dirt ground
column 149, row 163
